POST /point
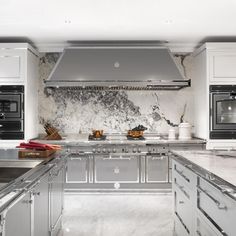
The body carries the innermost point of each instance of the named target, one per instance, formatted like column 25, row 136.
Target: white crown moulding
column 183, row 48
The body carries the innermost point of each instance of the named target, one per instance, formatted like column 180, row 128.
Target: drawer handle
column 182, row 189
column 158, row 158
column 181, row 174
column 198, row 233
column 218, row 204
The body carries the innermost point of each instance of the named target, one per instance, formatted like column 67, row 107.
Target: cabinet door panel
column 116, row 169
column 41, row 210
column 157, row 169
column 77, row 169
column 56, row 199
column 217, row 206
column 12, row 65
column 18, row 218
column 9, row 67
column 223, row 67
column 204, row 229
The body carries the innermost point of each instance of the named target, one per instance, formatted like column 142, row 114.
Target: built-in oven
column 222, row 111
column 12, row 112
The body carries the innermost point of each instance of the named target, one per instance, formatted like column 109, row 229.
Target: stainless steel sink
column 7, row 174
column 12, row 169
column 19, row 163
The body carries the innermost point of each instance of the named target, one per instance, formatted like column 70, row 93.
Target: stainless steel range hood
column 131, row 67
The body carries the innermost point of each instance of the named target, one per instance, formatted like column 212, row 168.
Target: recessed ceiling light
column 67, row 21
column 169, row 21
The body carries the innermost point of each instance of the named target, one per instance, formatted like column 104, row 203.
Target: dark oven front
column 12, row 112
column 223, row 111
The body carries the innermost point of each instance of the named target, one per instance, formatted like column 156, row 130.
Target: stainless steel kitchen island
column 204, row 190
column 31, row 194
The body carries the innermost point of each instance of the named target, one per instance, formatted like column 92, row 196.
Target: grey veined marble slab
column 220, row 163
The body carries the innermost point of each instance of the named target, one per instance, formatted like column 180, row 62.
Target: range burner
column 135, row 138
column 92, row 138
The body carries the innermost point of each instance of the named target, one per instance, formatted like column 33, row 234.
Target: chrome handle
column 182, row 189
column 181, row 174
column 218, row 204
column 158, row 158
column 198, row 233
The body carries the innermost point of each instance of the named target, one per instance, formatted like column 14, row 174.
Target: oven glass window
column 226, row 111
column 8, row 106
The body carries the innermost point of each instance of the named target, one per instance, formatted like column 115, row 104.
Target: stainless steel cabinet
column 56, row 199
column 41, row 199
column 156, row 168
column 17, row 219
column 77, row 169
column 116, row 169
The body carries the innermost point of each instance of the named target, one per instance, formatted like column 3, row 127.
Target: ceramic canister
column 185, row 131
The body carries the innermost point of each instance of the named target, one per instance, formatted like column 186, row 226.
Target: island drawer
column 205, row 228
column 179, row 227
column 183, row 209
column 182, row 173
column 217, row 207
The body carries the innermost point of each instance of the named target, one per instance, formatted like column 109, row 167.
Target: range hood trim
column 155, row 84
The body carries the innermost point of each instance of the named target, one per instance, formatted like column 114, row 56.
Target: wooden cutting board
column 31, row 153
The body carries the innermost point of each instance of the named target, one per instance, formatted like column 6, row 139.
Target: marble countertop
column 77, row 139
column 219, row 163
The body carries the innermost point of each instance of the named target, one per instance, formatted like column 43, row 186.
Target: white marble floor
column 118, row 214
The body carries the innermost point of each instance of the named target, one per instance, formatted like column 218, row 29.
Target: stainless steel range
column 118, row 164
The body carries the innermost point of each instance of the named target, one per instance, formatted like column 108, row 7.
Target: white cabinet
column 19, row 66
column 12, row 64
column 213, row 64
column 222, row 67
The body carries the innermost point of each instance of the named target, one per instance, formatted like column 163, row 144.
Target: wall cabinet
column 222, row 66
column 213, row 64
column 12, row 65
column 19, row 66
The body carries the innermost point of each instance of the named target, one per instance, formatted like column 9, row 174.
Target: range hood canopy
column 120, row 66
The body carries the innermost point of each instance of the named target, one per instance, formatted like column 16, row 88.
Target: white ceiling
column 56, row 22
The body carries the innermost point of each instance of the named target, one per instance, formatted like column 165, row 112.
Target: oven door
column 11, row 106
column 223, row 115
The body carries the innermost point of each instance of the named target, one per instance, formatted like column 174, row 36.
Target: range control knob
column 114, row 150
column 126, row 150
column 139, row 149
column 149, row 150
column 134, row 150
column 104, row 150
column 98, row 150
column 94, row 150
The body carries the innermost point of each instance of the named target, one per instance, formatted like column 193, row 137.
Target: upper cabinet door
column 222, row 67
column 12, row 64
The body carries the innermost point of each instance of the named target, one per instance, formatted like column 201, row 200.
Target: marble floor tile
column 118, row 214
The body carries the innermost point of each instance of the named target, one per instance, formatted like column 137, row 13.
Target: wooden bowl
column 135, row 133
column 97, row 133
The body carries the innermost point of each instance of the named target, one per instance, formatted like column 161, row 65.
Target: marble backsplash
column 72, row 110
